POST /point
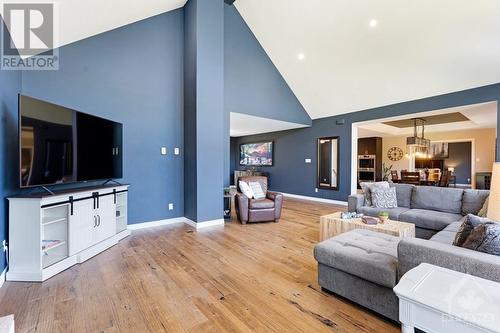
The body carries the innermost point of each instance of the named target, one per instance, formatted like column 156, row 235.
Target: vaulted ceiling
column 354, row 55
column 82, row 19
column 362, row 54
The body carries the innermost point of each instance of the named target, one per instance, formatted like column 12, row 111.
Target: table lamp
column 494, row 200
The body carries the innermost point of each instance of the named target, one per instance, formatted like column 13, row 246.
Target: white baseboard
column 304, row 197
column 2, row 277
column 185, row 220
column 156, row 223
column 201, row 225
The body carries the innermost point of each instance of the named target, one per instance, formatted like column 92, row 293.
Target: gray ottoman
column 361, row 265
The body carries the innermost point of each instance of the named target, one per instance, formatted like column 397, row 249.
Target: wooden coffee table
column 332, row 225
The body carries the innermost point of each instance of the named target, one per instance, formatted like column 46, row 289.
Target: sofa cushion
column 384, row 198
column 473, row 201
column 485, row 238
column 368, row 187
column 403, row 194
column 393, row 212
column 363, row 253
column 447, row 235
column 261, row 204
column 429, row 219
column 483, row 212
column 469, row 223
column 441, row 199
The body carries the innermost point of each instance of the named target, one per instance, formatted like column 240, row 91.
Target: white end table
column 439, row 300
column 7, row 324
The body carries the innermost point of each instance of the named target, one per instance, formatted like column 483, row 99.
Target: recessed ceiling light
column 373, row 23
column 301, row 56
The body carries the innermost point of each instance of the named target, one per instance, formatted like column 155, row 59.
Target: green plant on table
column 383, row 216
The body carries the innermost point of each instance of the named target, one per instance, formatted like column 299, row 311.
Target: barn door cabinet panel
column 50, row 233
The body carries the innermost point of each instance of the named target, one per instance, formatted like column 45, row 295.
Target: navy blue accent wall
column 205, row 116
column 132, row 75
column 10, row 86
column 190, row 161
column 252, row 83
column 460, row 159
column 291, row 175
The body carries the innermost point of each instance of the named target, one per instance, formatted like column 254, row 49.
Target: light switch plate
column 176, row 151
column 164, row 150
column 170, row 206
column 308, row 160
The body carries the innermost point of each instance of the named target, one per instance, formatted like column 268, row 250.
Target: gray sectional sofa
column 364, row 266
column 431, row 209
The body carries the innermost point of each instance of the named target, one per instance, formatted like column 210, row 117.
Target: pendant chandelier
column 417, row 145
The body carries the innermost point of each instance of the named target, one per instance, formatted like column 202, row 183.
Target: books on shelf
column 370, row 220
column 51, row 243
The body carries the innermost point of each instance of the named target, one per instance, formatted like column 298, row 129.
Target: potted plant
column 386, row 171
column 383, row 216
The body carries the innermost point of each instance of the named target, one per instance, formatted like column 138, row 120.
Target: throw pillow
column 484, row 238
column 473, row 200
column 246, row 190
column 368, row 188
column 384, row 197
column 258, row 193
column 470, row 222
column 483, row 212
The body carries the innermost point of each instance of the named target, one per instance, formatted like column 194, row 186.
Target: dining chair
column 445, row 179
column 410, row 177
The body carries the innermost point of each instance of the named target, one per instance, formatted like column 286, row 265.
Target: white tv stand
column 50, row 233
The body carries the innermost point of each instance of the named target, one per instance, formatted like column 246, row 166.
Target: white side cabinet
column 50, row 233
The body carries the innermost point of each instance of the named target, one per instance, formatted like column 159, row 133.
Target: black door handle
column 71, row 205
column 95, row 196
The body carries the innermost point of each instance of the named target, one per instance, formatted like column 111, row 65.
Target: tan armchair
column 258, row 210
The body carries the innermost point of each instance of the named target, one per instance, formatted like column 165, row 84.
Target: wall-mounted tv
column 59, row 145
column 257, row 154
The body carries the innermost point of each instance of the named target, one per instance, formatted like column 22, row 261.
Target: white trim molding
column 158, row 223
column 304, row 197
column 2, row 277
column 175, row 220
column 204, row 224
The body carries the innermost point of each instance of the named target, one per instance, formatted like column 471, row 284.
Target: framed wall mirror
column 328, row 163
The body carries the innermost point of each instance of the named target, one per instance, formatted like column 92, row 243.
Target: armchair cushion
column 258, row 192
column 261, row 204
column 246, row 189
column 260, row 179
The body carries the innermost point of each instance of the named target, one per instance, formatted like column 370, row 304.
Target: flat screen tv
column 257, row 154
column 59, row 145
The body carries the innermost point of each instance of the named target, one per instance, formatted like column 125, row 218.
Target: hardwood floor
column 237, row 278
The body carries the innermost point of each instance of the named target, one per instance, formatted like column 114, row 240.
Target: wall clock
column 395, row 153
